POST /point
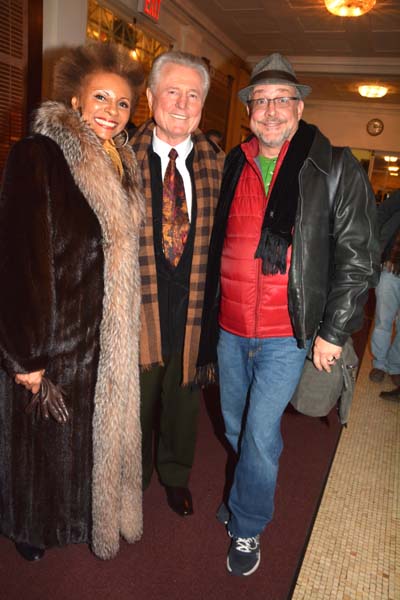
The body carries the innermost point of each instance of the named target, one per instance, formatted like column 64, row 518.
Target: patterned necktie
column 175, row 219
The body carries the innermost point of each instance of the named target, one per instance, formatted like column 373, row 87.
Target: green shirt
column 267, row 170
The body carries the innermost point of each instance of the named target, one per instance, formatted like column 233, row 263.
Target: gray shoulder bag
column 318, row 391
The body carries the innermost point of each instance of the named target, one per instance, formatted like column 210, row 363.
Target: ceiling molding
column 335, row 55
column 376, row 109
column 194, row 15
column 340, row 64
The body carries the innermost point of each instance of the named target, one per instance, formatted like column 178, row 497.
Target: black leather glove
column 48, row 401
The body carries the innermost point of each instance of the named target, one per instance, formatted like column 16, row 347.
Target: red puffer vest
column 252, row 304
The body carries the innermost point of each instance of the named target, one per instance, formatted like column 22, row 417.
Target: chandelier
column 372, row 91
column 349, row 8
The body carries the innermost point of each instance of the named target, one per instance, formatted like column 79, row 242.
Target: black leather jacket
column 335, row 256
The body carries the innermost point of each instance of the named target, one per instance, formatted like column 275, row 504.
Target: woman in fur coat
column 70, row 214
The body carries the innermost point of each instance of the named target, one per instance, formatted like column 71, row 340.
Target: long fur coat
column 70, row 304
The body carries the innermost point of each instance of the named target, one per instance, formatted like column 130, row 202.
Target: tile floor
column 354, row 549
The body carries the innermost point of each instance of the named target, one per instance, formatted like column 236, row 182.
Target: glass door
column 383, row 169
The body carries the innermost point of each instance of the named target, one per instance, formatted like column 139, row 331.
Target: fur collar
column 90, row 165
column 117, row 475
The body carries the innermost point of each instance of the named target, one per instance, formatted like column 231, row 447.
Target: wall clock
column 375, row 126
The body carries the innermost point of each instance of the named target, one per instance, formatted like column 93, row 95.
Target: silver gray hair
column 179, row 58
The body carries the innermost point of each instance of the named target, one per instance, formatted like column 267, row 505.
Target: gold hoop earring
column 119, row 145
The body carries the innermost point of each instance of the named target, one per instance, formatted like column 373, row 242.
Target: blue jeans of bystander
column 260, row 375
column 385, row 352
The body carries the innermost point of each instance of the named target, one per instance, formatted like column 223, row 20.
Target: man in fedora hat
column 292, row 255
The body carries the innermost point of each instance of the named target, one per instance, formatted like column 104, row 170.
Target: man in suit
column 181, row 176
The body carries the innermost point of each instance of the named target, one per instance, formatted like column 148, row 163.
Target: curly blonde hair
column 95, row 57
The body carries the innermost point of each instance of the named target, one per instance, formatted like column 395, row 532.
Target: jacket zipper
column 259, row 270
column 298, row 266
column 259, row 262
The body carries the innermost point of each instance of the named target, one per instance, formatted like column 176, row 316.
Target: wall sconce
column 372, row 91
column 349, row 8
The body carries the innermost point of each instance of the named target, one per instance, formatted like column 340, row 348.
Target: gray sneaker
column 244, row 555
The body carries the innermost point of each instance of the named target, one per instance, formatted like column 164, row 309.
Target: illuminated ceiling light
column 394, row 174
column 349, row 8
column 393, row 169
column 390, row 158
column 372, row 91
column 134, row 54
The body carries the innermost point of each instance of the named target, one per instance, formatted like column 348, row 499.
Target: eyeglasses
column 263, row 103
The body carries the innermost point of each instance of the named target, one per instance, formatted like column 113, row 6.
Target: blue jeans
column 265, row 372
column 385, row 352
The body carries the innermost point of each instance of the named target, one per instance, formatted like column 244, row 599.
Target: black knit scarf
column 278, row 223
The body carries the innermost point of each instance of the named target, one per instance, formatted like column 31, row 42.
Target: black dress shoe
column 180, row 500
column 377, row 375
column 28, row 552
column 391, row 394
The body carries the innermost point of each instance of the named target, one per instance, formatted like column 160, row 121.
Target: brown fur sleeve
column 26, row 274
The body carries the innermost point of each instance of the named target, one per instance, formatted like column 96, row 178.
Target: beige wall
column 345, row 124
column 64, row 23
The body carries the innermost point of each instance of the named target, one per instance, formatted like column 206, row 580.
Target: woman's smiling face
column 105, row 103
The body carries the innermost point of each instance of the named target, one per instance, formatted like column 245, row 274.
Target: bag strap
column 333, row 181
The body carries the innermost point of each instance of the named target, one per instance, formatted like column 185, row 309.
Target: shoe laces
column 246, row 545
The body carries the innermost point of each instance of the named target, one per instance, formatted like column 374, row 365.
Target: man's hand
column 31, row 381
column 325, row 354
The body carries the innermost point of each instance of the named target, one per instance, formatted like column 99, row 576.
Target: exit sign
column 150, row 8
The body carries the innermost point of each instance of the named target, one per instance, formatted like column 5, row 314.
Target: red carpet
column 185, row 558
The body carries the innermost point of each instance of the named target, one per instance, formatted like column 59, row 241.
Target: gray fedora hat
column 274, row 68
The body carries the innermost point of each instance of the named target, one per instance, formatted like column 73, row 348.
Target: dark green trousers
column 177, row 409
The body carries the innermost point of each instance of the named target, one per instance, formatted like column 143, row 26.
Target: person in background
column 181, row 175
column 71, row 208
column 215, row 137
column 386, row 347
column 292, row 255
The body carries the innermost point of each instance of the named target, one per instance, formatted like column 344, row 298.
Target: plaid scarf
column 207, row 170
